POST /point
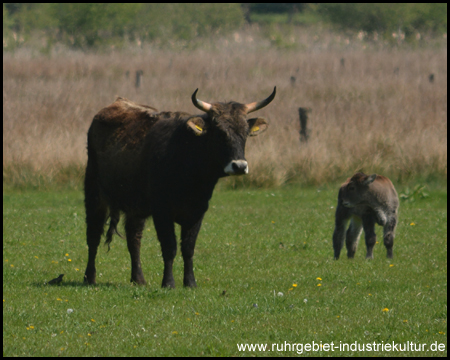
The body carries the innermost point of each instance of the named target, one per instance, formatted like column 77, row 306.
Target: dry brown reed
column 378, row 113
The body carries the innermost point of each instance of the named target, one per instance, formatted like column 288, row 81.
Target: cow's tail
column 114, row 220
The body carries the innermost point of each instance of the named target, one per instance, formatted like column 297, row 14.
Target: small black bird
column 56, row 281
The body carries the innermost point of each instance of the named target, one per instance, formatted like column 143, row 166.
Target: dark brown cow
column 366, row 200
column 165, row 165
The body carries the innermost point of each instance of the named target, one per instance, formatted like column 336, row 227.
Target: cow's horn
column 204, row 106
column 259, row 105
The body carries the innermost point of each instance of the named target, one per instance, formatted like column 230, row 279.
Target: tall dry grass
column 364, row 116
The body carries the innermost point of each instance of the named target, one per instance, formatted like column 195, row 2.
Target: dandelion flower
column 412, row 224
column 319, row 278
column 391, row 265
column 92, row 320
column 385, row 310
column 67, row 254
column 175, row 332
column 319, row 284
column 294, row 285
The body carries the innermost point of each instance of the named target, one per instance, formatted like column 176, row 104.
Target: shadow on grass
column 82, row 284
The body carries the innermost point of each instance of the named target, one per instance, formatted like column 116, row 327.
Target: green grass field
column 254, row 244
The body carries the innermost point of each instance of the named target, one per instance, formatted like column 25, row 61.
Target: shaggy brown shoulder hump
column 123, row 111
column 123, row 122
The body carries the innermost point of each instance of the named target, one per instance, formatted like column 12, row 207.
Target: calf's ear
column 370, row 179
column 197, row 125
column 257, row 126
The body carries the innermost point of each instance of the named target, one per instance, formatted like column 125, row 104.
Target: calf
column 365, row 200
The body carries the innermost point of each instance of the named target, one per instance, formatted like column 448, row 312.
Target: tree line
column 89, row 25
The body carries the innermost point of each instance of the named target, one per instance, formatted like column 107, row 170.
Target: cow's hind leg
column 352, row 236
column 166, row 235
column 96, row 211
column 133, row 228
column 188, row 237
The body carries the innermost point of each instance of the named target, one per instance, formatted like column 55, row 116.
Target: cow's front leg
column 166, row 235
column 188, row 237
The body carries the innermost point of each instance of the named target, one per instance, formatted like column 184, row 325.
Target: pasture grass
column 254, row 244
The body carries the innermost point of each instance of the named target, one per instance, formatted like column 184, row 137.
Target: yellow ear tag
column 255, row 128
column 199, row 128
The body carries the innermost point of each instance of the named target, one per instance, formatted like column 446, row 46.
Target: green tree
column 89, row 24
column 186, row 21
column 387, row 17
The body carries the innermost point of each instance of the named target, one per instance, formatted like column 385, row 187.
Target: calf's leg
column 341, row 221
column 388, row 236
column 369, row 233
column 352, row 236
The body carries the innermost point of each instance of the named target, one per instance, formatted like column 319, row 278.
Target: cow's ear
column 257, row 126
column 370, row 179
column 197, row 125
